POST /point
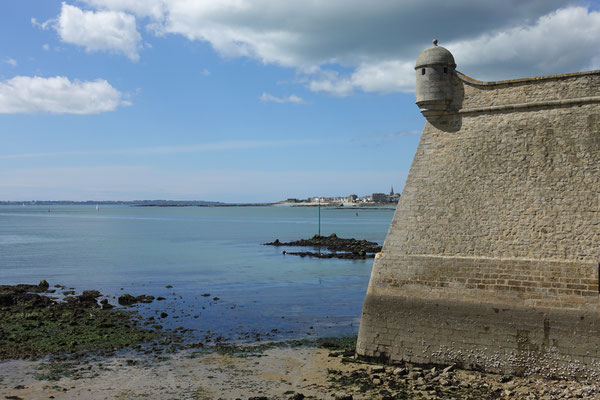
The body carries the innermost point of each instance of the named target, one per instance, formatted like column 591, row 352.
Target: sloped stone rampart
column 501, row 210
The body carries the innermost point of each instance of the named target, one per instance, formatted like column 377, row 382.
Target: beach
column 83, row 347
column 281, row 372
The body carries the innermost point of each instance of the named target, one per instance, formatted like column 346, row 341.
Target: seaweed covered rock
column 25, row 296
column 33, row 324
column 336, row 247
column 128, row 300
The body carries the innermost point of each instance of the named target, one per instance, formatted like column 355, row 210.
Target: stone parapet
column 477, row 94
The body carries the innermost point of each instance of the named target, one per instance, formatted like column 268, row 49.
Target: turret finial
column 435, row 42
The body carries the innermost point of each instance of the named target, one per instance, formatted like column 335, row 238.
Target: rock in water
column 126, row 299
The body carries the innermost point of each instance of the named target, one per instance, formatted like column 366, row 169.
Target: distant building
column 379, row 198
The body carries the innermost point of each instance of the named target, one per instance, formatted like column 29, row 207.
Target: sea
column 209, row 263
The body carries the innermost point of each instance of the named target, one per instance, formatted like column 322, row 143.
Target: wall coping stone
column 477, row 82
column 533, row 104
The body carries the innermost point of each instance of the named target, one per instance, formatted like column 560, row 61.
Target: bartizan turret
column 435, row 72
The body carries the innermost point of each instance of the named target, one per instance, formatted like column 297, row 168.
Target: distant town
column 374, row 199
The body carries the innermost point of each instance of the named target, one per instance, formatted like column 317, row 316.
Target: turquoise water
column 198, row 250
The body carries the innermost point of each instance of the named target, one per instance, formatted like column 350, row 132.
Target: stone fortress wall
column 492, row 258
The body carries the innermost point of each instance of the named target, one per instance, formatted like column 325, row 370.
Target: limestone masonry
column 492, row 258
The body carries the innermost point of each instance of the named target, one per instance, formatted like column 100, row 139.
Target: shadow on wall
column 451, row 121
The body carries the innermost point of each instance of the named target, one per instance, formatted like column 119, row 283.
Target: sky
column 247, row 100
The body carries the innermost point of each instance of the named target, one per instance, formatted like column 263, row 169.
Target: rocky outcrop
column 127, row 299
column 336, row 247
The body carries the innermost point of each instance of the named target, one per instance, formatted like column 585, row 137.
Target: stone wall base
column 517, row 340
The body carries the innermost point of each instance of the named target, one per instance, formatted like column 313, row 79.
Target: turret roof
column 435, row 55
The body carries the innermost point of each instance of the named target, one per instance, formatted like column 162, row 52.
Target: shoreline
column 279, row 372
column 165, row 366
column 333, row 206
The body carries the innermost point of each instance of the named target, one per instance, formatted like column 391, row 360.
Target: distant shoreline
column 335, row 206
column 206, row 205
column 147, row 203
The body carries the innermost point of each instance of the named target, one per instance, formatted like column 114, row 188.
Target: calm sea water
column 199, row 250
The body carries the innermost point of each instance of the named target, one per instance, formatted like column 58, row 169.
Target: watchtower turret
column 435, row 70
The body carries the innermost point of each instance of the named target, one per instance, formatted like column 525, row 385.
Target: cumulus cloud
column 383, row 77
column 332, row 83
column 298, row 33
column 143, row 8
column 110, row 31
column 266, row 97
column 565, row 40
column 374, row 43
column 57, row 95
column 562, row 41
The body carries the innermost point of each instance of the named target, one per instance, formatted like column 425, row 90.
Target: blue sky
column 246, row 101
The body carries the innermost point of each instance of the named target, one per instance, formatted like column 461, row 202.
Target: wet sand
column 276, row 373
column 181, row 376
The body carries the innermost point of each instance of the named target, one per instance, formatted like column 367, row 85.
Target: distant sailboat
column 97, row 207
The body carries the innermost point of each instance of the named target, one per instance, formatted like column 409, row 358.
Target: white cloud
column 565, row 40
column 142, row 8
column 10, row 61
column 374, row 43
column 46, row 46
column 266, row 97
column 332, row 83
column 380, row 40
column 561, row 41
column 110, row 31
column 205, row 72
column 303, row 34
column 43, row 25
column 385, row 77
column 57, row 95
column 382, row 77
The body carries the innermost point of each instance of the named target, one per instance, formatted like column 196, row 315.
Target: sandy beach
column 276, row 373
column 76, row 349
